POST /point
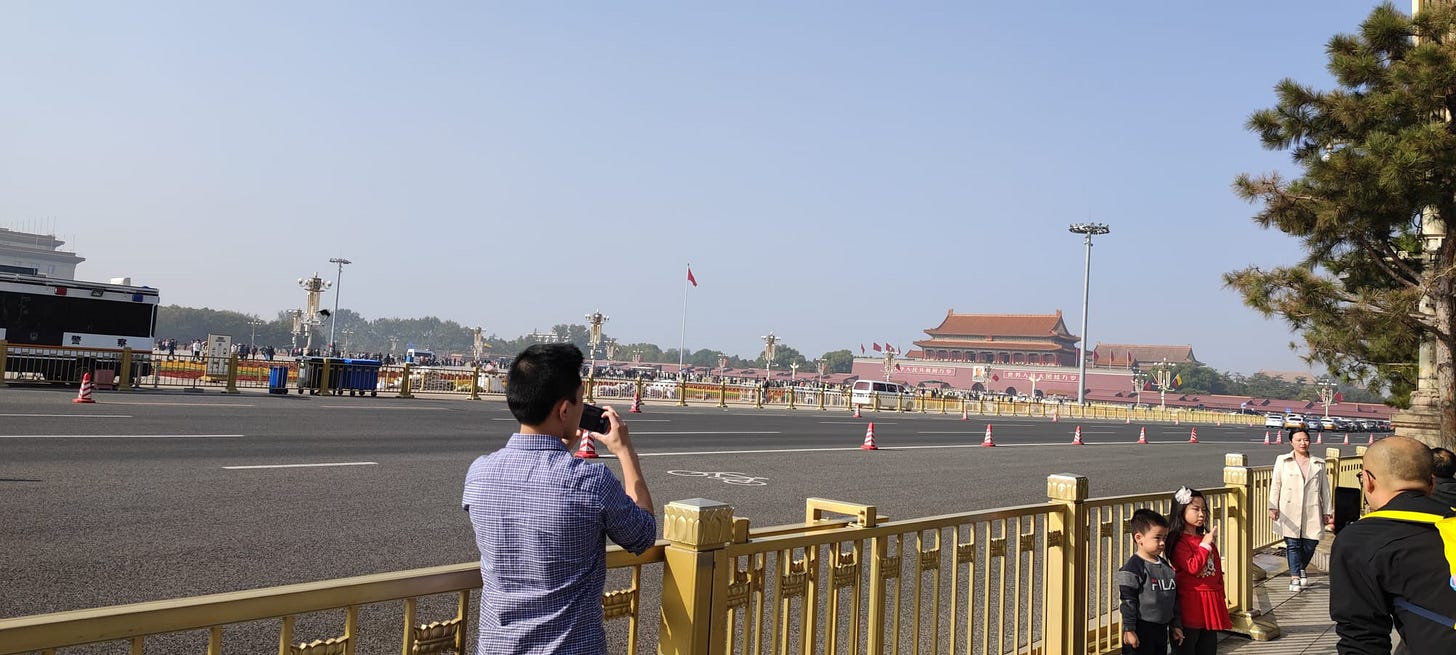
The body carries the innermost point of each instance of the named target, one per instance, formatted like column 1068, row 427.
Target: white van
column 864, row 392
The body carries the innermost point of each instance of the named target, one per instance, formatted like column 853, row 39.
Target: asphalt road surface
column 153, row 495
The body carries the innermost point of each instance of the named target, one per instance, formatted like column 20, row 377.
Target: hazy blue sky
column 837, row 172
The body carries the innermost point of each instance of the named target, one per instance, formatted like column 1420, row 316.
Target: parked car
column 1327, row 423
column 1274, row 421
column 1293, row 420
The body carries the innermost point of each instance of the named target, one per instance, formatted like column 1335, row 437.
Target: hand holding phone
column 593, row 419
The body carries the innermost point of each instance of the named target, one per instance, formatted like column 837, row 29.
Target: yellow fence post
column 1332, row 467
column 591, row 384
column 232, row 374
column 823, row 396
column 791, row 398
column 1238, row 556
column 324, row 382
column 1066, row 584
column 694, row 601
column 875, row 395
column 758, row 393
column 404, row 382
column 682, row 393
column 123, row 382
column 723, row 392
column 475, row 384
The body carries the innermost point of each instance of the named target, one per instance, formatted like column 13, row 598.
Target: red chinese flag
column 691, row 278
column 861, row 349
column 1339, row 397
column 877, row 347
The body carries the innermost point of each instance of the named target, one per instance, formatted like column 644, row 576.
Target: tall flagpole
column 683, row 338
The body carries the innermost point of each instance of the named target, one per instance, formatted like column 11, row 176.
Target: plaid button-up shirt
column 541, row 520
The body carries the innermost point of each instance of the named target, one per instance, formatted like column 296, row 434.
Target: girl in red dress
column 1199, row 573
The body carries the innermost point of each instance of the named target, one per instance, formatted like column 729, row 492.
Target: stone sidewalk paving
column 1303, row 618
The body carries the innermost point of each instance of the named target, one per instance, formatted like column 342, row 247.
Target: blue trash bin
column 278, row 379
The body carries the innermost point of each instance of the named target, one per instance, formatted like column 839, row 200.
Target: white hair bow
column 1184, row 495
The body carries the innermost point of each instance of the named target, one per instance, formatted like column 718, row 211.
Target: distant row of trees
column 1201, row 379
column 358, row 334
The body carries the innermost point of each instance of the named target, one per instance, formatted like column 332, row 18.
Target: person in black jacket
column 1444, row 468
column 1380, row 567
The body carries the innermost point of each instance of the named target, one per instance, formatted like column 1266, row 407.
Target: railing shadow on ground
column 1030, row 579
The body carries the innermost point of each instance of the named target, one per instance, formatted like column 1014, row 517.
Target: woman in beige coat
column 1300, row 505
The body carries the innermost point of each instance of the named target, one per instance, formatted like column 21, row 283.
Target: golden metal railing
column 1031, row 579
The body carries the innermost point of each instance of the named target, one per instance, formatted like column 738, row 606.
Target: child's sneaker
column 1294, row 585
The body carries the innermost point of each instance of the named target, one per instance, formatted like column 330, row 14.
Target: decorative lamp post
column 347, row 333
column 889, row 361
column 594, row 339
column 1327, row 390
column 722, row 365
column 333, row 320
column 793, row 373
column 769, row 349
column 1086, row 230
column 1035, row 378
column 312, row 288
column 1163, row 375
column 823, row 373
column 1138, row 378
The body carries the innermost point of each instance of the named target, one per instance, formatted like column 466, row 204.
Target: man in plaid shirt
column 542, row 517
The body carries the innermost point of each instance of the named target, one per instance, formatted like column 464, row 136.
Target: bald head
column 1399, row 463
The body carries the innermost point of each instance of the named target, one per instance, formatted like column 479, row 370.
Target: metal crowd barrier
column 1034, row 578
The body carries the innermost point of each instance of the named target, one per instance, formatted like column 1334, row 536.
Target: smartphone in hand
column 593, row 419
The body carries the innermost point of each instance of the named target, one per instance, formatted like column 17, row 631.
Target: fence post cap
column 1235, row 459
column 698, row 523
column 1067, row 486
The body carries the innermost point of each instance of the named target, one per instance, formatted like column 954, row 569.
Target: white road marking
column 69, row 415
column 417, row 409
column 120, row 436
column 115, row 402
column 856, row 422
column 717, row 432
column 892, row 448
column 299, row 466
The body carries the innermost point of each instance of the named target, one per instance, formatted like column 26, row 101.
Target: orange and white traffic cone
column 1193, row 436
column 1143, row 435
column 869, row 442
column 1175, row 419
column 1266, row 438
column 1278, row 438
column 1056, row 415
column 636, row 403
column 988, row 441
column 965, row 414
column 1077, row 437
column 1371, row 440
column 1127, row 420
column 84, row 395
column 1347, row 439
column 856, row 412
column 588, row 448
column 1319, row 438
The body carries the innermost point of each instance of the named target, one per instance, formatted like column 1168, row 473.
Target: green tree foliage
column 840, row 361
column 1378, row 156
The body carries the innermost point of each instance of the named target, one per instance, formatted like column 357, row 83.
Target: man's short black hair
column 1146, row 519
column 1443, row 462
column 541, row 376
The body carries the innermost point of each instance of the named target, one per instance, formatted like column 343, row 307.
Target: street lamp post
column 253, row 335
column 312, row 288
column 1327, row 394
column 889, row 361
column 1086, row 230
column 1034, row 379
column 768, row 354
column 1163, row 375
column 794, row 373
column 338, row 282
column 594, row 339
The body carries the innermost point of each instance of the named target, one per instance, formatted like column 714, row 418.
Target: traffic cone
column 1319, row 439
column 1175, row 419
column 84, row 395
column 1127, row 420
column 869, row 442
column 1279, row 438
column 1371, row 440
column 1057, row 415
column 1193, row 436
column 636, row 402
column 988, row 441
column 1347, row 439
column 1266, row 438
column 1077, row 437
column 965, row 414
column 856, row 412
column 1143, row 435
column 588, row 448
